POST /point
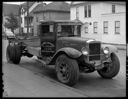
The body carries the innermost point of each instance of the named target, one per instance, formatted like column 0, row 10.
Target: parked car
column 59, row 44
column 10, row 34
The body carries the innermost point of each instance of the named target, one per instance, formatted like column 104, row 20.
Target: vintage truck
column 59, row 43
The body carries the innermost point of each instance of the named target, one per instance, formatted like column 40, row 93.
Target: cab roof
column 66, row 22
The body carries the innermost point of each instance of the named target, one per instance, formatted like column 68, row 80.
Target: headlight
column 106, row 50
column 84, row 51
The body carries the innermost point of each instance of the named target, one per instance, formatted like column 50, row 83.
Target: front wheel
column 111, row 69
column 67, row 70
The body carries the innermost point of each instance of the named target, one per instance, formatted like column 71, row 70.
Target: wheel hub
column 64, row 71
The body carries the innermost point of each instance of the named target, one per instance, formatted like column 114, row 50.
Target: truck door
column 47, row 38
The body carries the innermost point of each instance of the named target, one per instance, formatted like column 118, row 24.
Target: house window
column 117, row 27
column 21, row 20
column 87, row 10
column 86, row 29
column 95, row 27
column 113, row 8
column 105, row 27
column 77, row 13
column 22, row 11
column 36, row 19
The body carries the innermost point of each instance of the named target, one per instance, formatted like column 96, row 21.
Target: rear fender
column 70, row 52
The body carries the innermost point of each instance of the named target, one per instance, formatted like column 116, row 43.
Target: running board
column 42, row 62
column 36, row 51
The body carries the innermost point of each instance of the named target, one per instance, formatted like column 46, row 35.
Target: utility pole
column 20, row 20
column 27, row 18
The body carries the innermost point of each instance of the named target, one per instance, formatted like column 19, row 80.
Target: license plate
column 48, row 49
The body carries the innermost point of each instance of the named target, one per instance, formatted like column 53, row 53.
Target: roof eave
column 50, row 11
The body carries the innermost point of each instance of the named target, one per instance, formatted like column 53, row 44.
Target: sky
column 18, row 3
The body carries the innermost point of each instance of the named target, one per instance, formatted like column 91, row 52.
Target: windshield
column 68, row 30
column 46, row 30
column 61, row 30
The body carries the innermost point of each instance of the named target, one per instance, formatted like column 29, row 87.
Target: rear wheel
column 111, row 69
column 13, row 54
column 8, row 54
column 67, row 70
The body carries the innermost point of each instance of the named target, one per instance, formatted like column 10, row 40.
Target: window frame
column 37, row 19
column 87, row 11
column 77, row 12
column 86, row 28
column 117, row 27
column 95, row 27
column 105, row 27
column 113, row 8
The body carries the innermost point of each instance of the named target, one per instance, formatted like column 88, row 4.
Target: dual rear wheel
column 13, row 54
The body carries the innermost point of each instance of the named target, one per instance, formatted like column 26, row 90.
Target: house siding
column 101, row 12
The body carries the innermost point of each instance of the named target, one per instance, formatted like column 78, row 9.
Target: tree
column 12, row 22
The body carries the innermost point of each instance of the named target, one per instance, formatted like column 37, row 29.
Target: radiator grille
column 94, row 51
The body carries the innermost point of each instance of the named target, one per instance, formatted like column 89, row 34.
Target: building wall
column 37, row 18
column 107, row 8
column 95, row 12
column 49, row 16
column 59, row 15
column 102, row 12
column 111, row 36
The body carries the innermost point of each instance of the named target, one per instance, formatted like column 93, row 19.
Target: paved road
column 90, row 84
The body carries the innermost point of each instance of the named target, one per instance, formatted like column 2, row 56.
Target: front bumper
column 97, row 64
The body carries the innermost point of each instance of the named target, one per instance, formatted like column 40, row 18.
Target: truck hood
column 75, row 42
column 77, row 39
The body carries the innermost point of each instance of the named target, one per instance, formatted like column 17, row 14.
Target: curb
column 60, row 84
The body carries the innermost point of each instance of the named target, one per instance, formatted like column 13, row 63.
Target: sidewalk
column 19, row 82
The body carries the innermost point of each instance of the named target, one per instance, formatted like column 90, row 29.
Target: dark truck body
column 59, row 43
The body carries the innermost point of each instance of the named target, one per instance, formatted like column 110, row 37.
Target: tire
column 67, row 70
column 112, row 69
column 8, row 54
column 14, row 53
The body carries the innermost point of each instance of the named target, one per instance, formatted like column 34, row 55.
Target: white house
column 103, row 20
column 31, row 6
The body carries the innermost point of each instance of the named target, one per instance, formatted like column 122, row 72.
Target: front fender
column 112, row 49
column 70, row 52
